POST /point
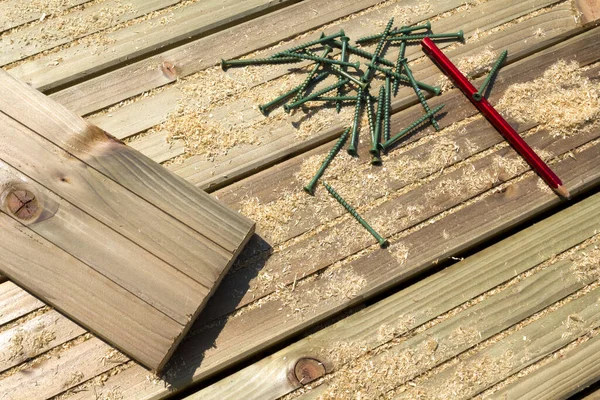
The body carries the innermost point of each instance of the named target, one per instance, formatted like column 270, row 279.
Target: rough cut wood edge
column 589, row 10
column 124, row 165
column 561, row 378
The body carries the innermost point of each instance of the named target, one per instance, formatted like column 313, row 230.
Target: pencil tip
column 561, row 190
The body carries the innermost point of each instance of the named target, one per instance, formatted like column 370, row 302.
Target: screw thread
column 306, row 81
column 343, row 57
column 354, row 139
column 315, row 95
column 310, row 188
column 311, row 43
column 267, row 106
column 458, row 35
column 387, row 109
column 404, row 29
column 380, row 100
column 382, row 241
column 337, row 98
column 399, row 66
column 386, row 145
column 257, row 61
column 433, row 89
column 343, row 74
column 477, row 96
column 368, row 73
column 319, row 59
column 419, row 94
column 362, row 53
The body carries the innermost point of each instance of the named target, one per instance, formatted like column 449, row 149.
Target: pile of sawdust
column 43, row 7
column 25, row 344
column 71, row 26
column 220, row 111
column 562, row 100
column 586, row 265
column 477, row 64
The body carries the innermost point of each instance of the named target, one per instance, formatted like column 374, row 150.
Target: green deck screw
column 315, row 95
column 418, row 93
column 310, row 188
column 319, row 59
column 361, row 53
column 337, row 98
column 382, row 241
column 304, row 84
column 257, row 61
column 458, row 35
column 343, row 57
column 375, row 142
column 479, row 95
column 433, row 89
column 399, row 66
column 367, row 75
column 386, row 145
column 264, row 108
column 355, row 129
column 404, row 29
column 343, row 74
column 387, row 110
column 375, row 160
column 320, row 40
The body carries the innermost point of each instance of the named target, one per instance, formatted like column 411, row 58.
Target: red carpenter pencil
column 495, row 118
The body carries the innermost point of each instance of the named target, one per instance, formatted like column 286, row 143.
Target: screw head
column 307, row 370
column 22, row 204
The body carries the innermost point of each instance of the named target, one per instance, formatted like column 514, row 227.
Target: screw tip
column 310, row 190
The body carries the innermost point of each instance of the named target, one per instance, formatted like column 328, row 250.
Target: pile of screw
column 379, row 122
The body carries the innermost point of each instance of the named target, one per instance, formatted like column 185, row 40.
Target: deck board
column 125, row 246
column 267, row 292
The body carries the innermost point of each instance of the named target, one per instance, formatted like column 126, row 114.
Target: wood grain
column 182, row 24
column 132, row 170
column 561, row 378
column 36, row 38
column 10, row 18
column 14, row 302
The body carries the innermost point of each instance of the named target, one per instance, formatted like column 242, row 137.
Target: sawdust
column 26, row 344
column 562, row 100
column 586, row 265
column 477, row 64
column 70, row 26
column 218, row 111
column 43, row 7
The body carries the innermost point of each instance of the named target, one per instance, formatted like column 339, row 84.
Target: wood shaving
column 562, row 100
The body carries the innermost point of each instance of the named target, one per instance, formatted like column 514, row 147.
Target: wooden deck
column 313, row 307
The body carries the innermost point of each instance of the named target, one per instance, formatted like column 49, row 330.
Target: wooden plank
column 60, row 372
column 487, row 271
column 88, row 296
column 53, row 32
column 501, row 309
column 131, row 80
column 34, row 337
column 14, row 13
column 280, row 141
column 139, row 116
column 127, row 264
column 111, row 204
column 542, row 337
column 156, row 147
column 589, row 10
column 14, row 302
column 132, row 170
column 561, row 378
column 138, row 40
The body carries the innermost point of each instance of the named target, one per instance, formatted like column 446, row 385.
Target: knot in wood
column 168, row 68
column 22, row 204
column 308, row 370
